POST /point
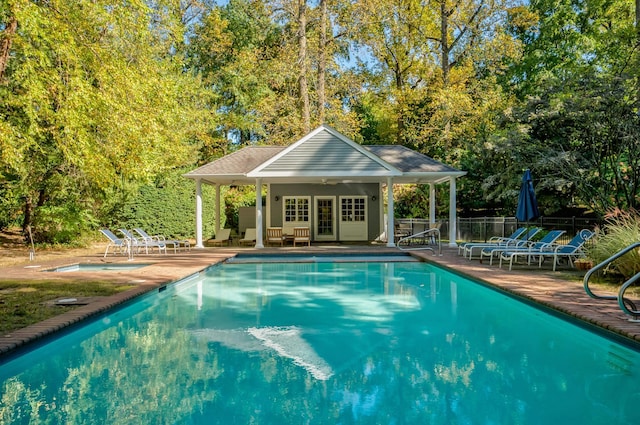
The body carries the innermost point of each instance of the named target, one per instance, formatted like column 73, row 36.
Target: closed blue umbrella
column 527, row 204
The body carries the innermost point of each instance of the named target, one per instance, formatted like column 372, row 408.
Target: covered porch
column 327, row 182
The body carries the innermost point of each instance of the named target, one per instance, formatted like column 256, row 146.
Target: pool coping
column 541, row 287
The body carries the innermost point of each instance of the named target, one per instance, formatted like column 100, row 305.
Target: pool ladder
column 429, row 234
column 627, row 306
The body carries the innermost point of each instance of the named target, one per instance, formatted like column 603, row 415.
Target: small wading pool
column 325, row 343
column 98, row 267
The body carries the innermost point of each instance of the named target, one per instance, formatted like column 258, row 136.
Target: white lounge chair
column 249, row 237
column 494, row 240
column 514, row 251
column 523, row 239
column 545, row 244
column 118, row 244
column 177, row 244
column 571, row 251
column 222, row 237
column 143, row 244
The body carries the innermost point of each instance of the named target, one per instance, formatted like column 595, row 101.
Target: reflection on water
column 325, row 343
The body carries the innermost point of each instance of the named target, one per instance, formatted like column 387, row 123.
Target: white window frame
column 299, row 218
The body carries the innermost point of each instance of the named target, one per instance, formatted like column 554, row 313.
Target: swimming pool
column 325, row 343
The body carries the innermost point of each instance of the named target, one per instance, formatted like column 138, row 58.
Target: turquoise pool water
column 325, row 343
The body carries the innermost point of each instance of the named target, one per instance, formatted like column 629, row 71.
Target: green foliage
column 621, row 229
column 92, row 99
column 62, row 224
column 167, row 208
column 242, row 196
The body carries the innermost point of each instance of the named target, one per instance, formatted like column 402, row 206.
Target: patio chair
column 535, row 249
column 523, row 239
column 139, row 243
column 249, row 237
column 301, row 236
column 222, row 237
column 571, row 251
column 173, row 242
column 274, row 236
column 494, row 240
column 118, row 244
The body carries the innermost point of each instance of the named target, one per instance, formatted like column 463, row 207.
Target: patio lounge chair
column 570, row 251
column 222, row 237
column 143, row 244
column 173, row 242
column 494, row 240
column 523, row 239
column 118, row 244
column 301, row 236
column 535, row 249
column 274, row 236
column 249, row 237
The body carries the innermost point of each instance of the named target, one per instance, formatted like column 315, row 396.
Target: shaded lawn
column 22, row 303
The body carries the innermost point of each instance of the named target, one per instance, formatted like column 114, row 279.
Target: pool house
column 328, row 183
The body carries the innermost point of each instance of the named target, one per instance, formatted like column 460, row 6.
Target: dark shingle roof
column 407, row 160
column 239, row 162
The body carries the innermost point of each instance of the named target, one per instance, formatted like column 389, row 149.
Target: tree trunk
column 444, row 42
column 322, row 60
column 401, row 105
column 302, row 63
column 6, row 38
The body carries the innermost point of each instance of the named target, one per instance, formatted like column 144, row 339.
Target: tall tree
column 94, row 99
column 302, row 66
column 322, row 60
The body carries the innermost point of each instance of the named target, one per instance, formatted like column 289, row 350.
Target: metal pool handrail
column 427, row 233
column 627, row 306
column 622, row 302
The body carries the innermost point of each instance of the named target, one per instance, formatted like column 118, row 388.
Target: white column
column 259, row 243
column 452, row 212
column 432, row 203
column 217, row 210
column 390, row 225
column 199, row 243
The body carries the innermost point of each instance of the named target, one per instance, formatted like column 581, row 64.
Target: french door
column 325, row 218
column 353, row 218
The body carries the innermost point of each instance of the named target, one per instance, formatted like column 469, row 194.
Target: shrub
column 61, row 224
column 167, row 207
column 621, row 229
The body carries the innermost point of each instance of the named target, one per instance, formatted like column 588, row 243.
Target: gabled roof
column 321, row 155
column 324, row 153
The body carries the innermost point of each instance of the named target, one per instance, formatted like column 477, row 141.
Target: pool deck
column 558, row 291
